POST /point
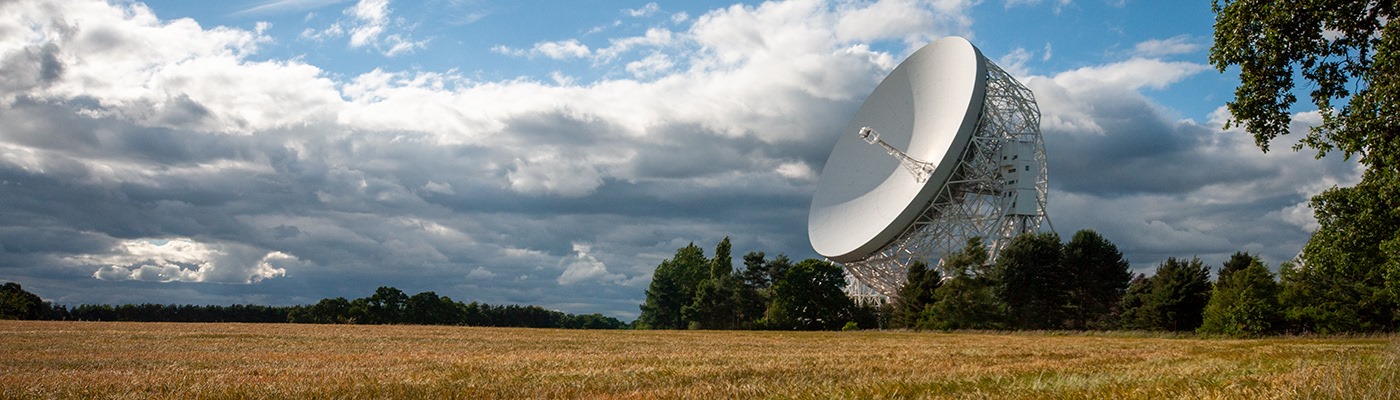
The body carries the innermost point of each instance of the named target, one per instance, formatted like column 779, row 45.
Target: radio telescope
column 946, row 148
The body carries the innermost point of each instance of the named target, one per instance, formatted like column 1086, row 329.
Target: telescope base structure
column 997, row 191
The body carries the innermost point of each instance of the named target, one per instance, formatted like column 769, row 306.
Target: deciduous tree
column 16, row 303
column 809, row 296
column 673, row 286
column 1348, row 54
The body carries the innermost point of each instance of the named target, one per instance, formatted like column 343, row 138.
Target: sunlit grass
column 154, row 360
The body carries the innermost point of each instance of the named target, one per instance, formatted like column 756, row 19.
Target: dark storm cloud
column 1141, row 151
column 1162, row 188
column 32, row 66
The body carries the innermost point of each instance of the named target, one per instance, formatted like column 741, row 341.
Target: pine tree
column 751, row 295
column 917, row 293
column 714, row 304
column 1174, row 299
column 1031, row 282
column 964, row 300
column 1237, row 262
column 1244, row 301
column 1098, row 278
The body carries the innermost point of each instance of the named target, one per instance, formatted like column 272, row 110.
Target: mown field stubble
column 173, row 360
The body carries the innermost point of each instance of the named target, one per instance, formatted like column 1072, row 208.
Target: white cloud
column 1161, row 187
column 170, row 74
column 439, row 187
column 1132, row 74
column 904, row 19
column 654, row 64
column 1181, row 44
column 797, row 170
column 562, row 49
column 370, row 17
column 1300, row 215
column 584, row 267
column 644, row 11
column 367, row 23
column 558, row 50
column 276, row 6
column 186, row 260
column 480, row 273
column 654, row 37
column 1015, row 62
column 554, row 175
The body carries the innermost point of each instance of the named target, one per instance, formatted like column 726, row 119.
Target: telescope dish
column 928, row 107
column 945, row 148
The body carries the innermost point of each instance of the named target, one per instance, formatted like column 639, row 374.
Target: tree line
column 388, row 305
column 691, row 291
column 1037, row 283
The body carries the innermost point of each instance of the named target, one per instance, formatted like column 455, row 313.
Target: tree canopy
column 1348, row 54
column 16, row 303
column 689, row 291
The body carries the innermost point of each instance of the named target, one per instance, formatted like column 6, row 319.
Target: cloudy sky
column 553, row 153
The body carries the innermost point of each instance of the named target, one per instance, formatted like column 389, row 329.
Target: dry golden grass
column 156, row 360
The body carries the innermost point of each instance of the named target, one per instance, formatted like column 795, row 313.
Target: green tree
column 1237, row 262
column 1032, row 283
column 16, row 303
column 1345, row 50
column 664, row 300
column 777, row 269
column 1351, row 261
column 1173, row 299
column 917, row 293
column 723, row 264
column 1348, row 54
column 964, row 301
column 427, row 308
column 751, row 295
column 1098, row 276
column 809, row 296
column 1244, row 301
column 1319, row 302
column 673, row 287
column 1135, row 314
column 385, row 306
column 714, row 304
column 326, row 311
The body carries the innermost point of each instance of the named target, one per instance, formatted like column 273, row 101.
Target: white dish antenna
column 947, row 147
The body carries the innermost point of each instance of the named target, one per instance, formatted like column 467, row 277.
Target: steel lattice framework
column 977, row 201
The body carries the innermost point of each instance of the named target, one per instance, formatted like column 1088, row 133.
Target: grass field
column 166, row 360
